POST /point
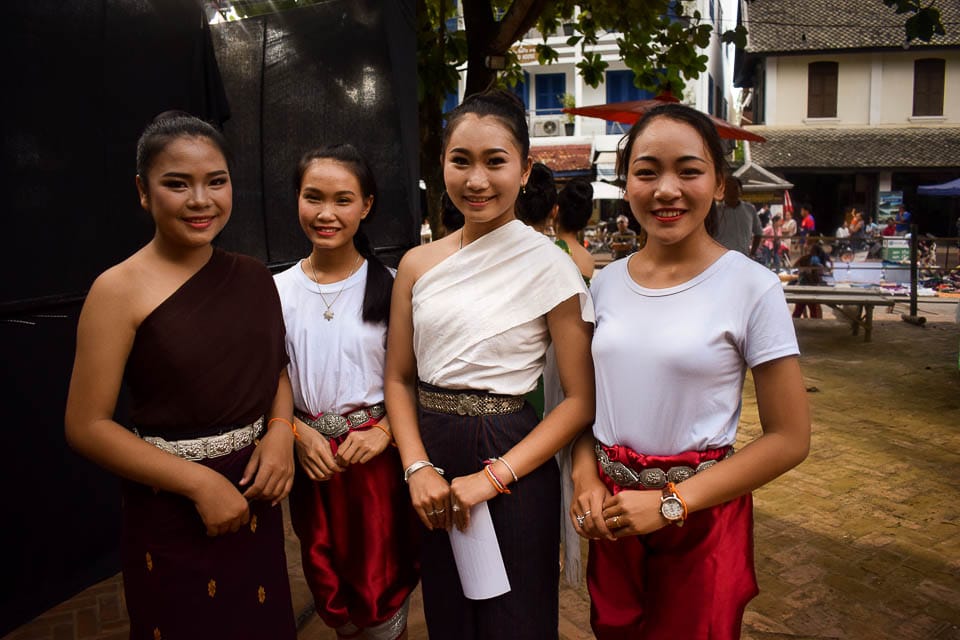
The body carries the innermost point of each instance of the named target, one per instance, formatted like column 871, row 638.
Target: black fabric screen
column 83, row 80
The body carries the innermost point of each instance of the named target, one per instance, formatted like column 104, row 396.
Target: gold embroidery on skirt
column 212, row 587
column 261, row 594
column 149, row 562
column 253, row 524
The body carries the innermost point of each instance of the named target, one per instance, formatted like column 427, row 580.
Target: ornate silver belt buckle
column 332, row 425
column 653, row 478
column 376, row 411
column 358, row 417
column 191, row 449
column 221, row 445
column 677, row 475
column 468, row 404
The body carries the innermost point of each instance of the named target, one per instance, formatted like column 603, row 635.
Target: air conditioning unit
column 547, row 126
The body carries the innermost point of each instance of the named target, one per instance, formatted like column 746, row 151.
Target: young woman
column 208, row 456
column 678, row 324
column 574, row 208
column 349, row 506
column 471, row 319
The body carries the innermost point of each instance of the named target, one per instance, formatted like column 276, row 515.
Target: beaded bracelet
column 494, row 480
column 292, row 426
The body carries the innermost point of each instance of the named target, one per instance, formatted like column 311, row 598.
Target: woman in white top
column 678, row 324
column 472, row 316
column 358, row 535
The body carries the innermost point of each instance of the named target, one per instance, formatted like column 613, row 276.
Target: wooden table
column 842, row 299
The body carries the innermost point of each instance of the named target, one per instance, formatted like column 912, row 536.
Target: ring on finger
column 580, row 519
column 616, row 521
column 455, row 508
column 431, row 513
column 439, row 511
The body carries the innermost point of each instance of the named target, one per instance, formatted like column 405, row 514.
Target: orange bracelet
column 494, row 480
column 384, row 429
column 293, row 427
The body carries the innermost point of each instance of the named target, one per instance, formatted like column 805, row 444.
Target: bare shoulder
column 122, row 291
column 422, row 258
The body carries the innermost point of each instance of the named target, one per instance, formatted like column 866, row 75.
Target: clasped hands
column 597, row 514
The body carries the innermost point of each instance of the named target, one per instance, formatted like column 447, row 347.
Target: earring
column 523, row 188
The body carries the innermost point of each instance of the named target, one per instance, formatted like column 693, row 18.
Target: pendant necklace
column 328, row 314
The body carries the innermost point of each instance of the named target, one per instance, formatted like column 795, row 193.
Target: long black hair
column 703, row 126
column 376, row 295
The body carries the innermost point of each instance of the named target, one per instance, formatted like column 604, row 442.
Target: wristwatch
column 672, row 506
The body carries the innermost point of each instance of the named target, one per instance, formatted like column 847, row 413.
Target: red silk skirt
column 359, row 540
column 678, row 582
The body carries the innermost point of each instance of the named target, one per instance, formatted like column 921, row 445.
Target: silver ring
column 431, row 513
column 580, row 520
column 455, row 508
column 586, row 513
column 616, row 521
column 439, row 511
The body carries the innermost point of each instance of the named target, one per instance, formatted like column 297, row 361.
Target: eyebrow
column 342, row 192
column 484, row 152
column 174, row 174
column 680, row 159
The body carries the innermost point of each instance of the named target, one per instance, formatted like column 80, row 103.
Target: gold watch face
column 671, row 508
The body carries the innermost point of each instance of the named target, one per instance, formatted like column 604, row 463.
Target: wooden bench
column 842, row 299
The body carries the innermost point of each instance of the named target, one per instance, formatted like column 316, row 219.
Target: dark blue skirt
column 527, row 526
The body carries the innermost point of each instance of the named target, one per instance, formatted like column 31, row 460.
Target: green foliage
column 925, row 21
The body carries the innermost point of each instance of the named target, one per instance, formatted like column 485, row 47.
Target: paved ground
column 860, row 542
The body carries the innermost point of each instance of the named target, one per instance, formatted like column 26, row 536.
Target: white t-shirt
column 670, row 363
column 336, row 365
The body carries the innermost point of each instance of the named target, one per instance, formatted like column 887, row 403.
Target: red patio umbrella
column 632, row 110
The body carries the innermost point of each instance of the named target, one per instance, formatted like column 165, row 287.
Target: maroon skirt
column 359, row 540
column 678, row 582
column 181, row 584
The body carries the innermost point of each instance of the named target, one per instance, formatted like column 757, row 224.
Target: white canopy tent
column 606, row 191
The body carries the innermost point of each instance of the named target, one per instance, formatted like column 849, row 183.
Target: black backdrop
column 83, row 78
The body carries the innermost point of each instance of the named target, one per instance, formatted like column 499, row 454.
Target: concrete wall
column 872, row 88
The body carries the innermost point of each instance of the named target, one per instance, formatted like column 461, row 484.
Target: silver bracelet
column 509, row 468
column 416, row 466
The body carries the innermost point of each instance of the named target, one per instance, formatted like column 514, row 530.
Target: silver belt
column 651, row 477
column 469, row 404
column 333, row 426
column 210, row 446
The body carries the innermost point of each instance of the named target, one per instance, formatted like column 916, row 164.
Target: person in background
column 659, row 493
column 890, row 229
column 812, row 267
column 471, row 319
column 359, row 537
column 771, row 243
column 574, row 208
column 426, row 233
column 623, row 242
column 788, row 229
column 537, row 203
column 738, row 226
column 197, row 335
column 808, row 224
column 902, row 220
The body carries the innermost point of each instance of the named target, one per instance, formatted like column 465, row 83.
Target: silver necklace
column 328, row 314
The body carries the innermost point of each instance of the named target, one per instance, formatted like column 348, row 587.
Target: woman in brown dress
column 198, row 335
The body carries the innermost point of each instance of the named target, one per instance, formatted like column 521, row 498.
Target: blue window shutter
column 620, row 88
column 549, row 87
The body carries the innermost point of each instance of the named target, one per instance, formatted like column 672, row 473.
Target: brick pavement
column 860, row 542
